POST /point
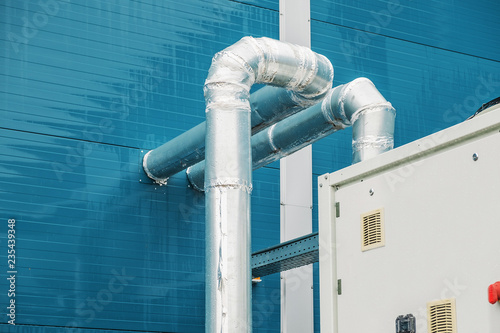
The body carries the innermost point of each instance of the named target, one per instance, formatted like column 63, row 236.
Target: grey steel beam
column 294, row 253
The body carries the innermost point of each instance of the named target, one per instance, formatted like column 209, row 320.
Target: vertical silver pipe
column 373, row 132
column 228, row 161
column 228, row 238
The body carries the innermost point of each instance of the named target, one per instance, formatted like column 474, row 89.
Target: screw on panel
column 372, row 192
column 475, row 157
column 320, row 185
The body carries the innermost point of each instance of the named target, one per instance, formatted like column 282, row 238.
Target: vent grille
column 372, row 230
column 442, row 316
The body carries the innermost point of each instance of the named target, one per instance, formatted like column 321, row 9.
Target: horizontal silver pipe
column 268, row 104
column 159, row 164
column 357, row 103
column 272, row 104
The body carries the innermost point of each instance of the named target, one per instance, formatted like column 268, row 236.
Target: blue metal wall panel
column 139, row 64
column 469, row 27
column 6, row 328
column 85, row 88
column 98, row 234
column 268, row 4
column 265, row 233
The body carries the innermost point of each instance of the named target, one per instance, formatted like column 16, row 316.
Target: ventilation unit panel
column 372, row 230
column 441, row 316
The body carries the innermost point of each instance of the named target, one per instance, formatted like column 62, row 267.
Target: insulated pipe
column 357, row 103
column 269, row 105
column 372, row 118
column 228, row 160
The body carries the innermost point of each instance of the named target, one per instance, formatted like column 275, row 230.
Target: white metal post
column 297, row 313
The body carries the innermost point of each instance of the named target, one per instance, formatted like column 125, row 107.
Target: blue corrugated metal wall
column 86, row 86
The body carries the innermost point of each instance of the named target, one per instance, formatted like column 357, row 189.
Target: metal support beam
column 284, row 256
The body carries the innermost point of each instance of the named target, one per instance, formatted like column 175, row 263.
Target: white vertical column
column 297, row 313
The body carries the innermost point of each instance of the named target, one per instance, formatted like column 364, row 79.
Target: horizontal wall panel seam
column 408, row 41
column 124, row 16
column 416, row 43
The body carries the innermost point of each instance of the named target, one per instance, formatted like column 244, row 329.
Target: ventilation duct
column 357, row 103
column 297, row 79
column 268, row 104
column 228, row 164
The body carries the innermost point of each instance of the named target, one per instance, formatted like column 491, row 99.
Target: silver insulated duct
column 268, row 104
column 297, row 79
column 372, row 117
column 228, row 161
column 357, row 103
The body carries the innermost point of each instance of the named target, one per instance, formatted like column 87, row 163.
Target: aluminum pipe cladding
column 373, row 119
column 228, row 162
column 373, row 131
column 357, row 103
column 360, row 104
column 268, row 104
column 281, row 139
column 280, row 64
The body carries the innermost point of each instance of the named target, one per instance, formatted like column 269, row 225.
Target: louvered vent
column 372, row 230
column 442, row 316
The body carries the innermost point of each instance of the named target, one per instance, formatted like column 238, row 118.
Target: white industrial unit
column 415, row 231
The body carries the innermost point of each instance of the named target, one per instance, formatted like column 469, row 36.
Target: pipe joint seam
column 346, row 89
column 372, row 108
column 229, row 107
column 353, row 88
column 228, row 61
column 223, row 184
column 306, row 70
column 331, row 111
column 329, row 116
column 379, row 142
